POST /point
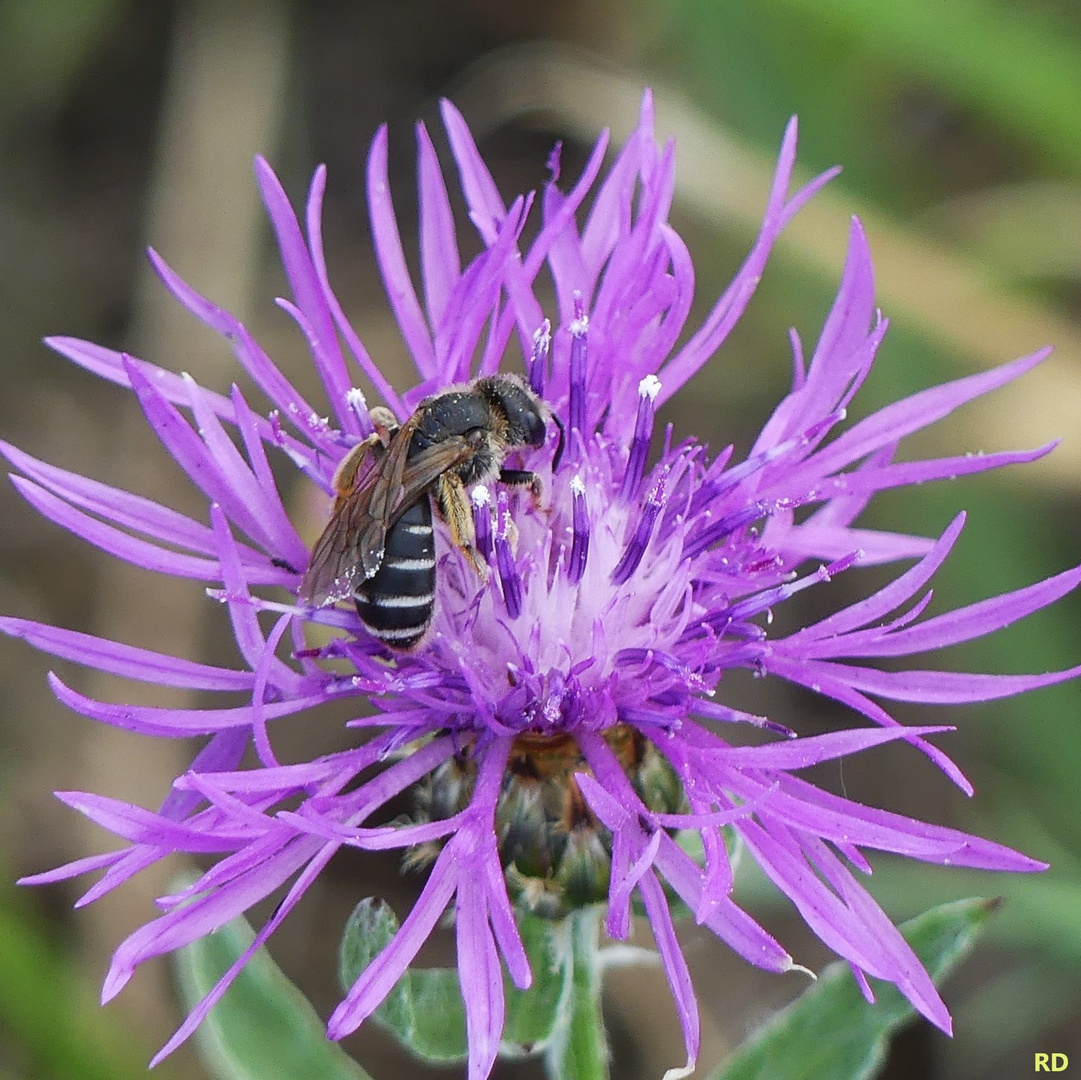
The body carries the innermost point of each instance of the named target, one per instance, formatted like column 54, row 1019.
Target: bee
column 379, row 546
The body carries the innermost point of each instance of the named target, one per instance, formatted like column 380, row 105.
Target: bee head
column 521, row 408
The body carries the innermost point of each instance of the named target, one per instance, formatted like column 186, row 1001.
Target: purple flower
column 563, row 718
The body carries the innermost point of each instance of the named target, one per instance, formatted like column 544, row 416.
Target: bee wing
column 335, row 561
column 351, row 546
column 337, row 554
column 397, row 490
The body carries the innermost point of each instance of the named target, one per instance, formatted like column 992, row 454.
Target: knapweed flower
column 562, row 719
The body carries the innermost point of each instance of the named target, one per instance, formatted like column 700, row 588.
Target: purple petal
column 881, row 603
column 123, row 508
column 894, row 422
column 223, row 751
column 441, row 265
column 814, row 749
column 261, row 502
column 212, row 476
column 937, row 687
column 963, row 624
column 392, row 265
column 735, row 298
column 289, row 545
column 902, row 474
column 139, row 826
column 837, row 686
column 245, row 348
column 724, row 917
column 479, row 975
column 486, row 209
column 812, row 540
column 378, row 979
column 202, row 916
column 610, row 214
column 246, row 629
column 130, row 548
column 504, row 925
column 909, row 974
column 199, row 1013
column 175, row 723
column 356, row 346
column 675, row 966
column 127, row 660
column 73, row 869
column 296, row 260
column 839, row 362
column 887, row 831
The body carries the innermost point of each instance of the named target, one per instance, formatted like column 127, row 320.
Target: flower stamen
column 648, row 389
column 579, row 330
column 580, row 544
column 504, row 557
column 726, row 526
column 538, row 360
column 634, row 551
column 481, row 499
column 358, row 406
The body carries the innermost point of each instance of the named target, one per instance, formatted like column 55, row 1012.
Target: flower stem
column 579, row 1048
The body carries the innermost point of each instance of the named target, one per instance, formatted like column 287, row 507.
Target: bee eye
column 528, row 429
column 536, row 431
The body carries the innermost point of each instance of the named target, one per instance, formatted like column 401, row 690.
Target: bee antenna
column 557, row 457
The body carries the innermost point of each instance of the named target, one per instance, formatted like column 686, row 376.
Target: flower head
column 563, row 717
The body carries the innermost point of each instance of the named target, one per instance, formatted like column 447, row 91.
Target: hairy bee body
column 379, row 546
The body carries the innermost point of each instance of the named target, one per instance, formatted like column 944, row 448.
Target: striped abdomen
column 396, row 602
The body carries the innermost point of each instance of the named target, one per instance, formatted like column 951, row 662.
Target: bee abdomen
column 397, row 601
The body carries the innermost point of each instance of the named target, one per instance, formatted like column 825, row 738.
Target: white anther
column 649, row 387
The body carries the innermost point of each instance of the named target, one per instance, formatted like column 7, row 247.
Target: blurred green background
column 958, row 122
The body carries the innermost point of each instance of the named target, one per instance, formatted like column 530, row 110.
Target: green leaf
column 425, row 1011
column 534, row 1014
column 263, row 1028
column 831, row 1032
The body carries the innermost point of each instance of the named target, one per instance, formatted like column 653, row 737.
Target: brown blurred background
column 124, row 123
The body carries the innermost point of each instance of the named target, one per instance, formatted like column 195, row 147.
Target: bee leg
column 386, row 427
column 457, row 511
column 345, row 476
column 522, row 478
column 385, row 423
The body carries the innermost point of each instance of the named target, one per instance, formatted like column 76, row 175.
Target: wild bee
column 379, row 546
